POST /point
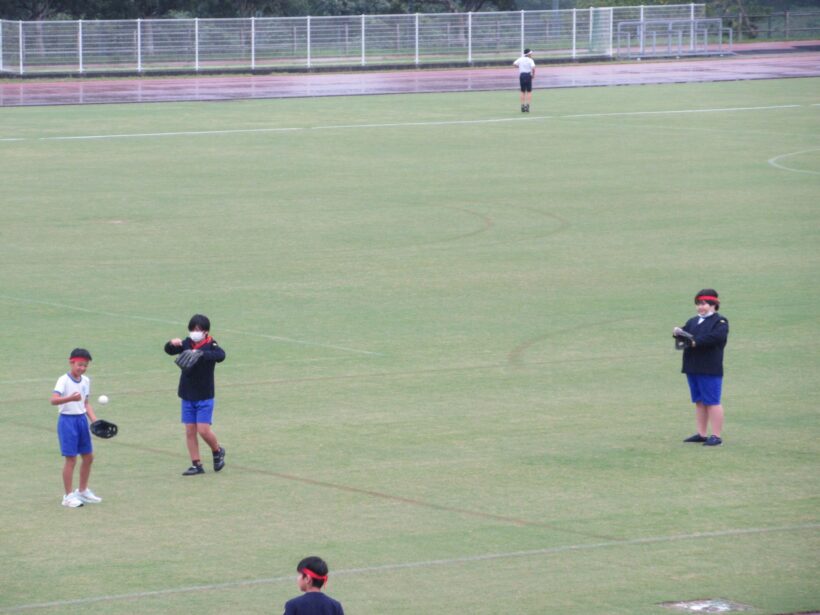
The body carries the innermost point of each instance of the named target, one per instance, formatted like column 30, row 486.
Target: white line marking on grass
column 415, row 565
column 13, row 139
column 677, row 111
column 190, row 133
column 438, row 123
column 187, row 133
column 774, row 161
column 275, row 338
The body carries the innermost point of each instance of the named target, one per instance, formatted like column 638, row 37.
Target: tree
column 31, row 10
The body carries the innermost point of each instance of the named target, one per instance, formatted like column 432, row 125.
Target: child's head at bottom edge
column 312, row 573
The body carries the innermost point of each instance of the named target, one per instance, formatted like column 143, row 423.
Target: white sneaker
column 87, row 496
column 71, row 500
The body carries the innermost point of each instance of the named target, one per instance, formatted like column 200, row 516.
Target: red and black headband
column 313, row 575
column 706, row 298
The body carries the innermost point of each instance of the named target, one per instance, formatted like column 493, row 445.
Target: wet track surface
column 758, row 61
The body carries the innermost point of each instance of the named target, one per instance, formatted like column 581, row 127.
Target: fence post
column 640, row 32
column 196, row 43
column 417, row 39
column 253, row 43
column 611, row 29
column 692, row 27
column 522, row 32
column 470, row 37
column 363, row 42
column 80, row 44
column 591, row 15
column 1, row 45
column 139, row 45
column 308, row 41
column 574, row 32
column 787, row 25
column 21, row 46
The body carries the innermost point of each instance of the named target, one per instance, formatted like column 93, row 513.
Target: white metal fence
column 671, row 37
column 145, row 45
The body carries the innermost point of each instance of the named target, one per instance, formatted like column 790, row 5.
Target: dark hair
column 201, row 321
column 80, row 353
column 317, row 566
column 708, row 292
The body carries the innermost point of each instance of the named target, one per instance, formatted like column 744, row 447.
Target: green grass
column 450, row 368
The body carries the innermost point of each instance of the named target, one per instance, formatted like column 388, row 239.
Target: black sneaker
column 195, row 468
column 696, row 438
column 523, row 108
column 526, row 108
column 713, row 441
column 219, row 459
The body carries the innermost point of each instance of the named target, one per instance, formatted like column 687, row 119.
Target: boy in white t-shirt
column 71, row 394
column 526, row 73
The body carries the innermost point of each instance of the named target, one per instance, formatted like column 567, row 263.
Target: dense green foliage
column 133, row 9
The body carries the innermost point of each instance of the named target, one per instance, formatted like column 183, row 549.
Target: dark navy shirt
column 710, row 340
column 197, row 383
column 313, row 603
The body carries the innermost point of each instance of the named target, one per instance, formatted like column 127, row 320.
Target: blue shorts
column 74, row 435
column 705, row 389
column 201, row 411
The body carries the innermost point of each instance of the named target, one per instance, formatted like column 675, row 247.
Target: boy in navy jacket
column 312, row 578
column 703, row 365
column 196, row 390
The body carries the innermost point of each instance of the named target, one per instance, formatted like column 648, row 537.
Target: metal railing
column 671, row 38
column 287, row 43
column 787, row 25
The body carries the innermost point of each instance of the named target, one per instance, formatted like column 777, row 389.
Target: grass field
column 450, row 368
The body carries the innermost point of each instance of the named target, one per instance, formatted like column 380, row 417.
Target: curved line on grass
column 774, row 161
column 515, row 356
column 487, row 224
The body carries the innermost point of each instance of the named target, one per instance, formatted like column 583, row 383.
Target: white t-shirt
column 66, row 385
column 525, row 64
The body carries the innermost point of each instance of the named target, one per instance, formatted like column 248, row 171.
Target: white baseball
column 103, row 399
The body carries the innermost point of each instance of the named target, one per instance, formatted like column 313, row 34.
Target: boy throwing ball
column 196, row 389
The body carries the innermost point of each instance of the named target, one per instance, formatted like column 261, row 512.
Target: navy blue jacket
column 313, row 603
column 710, row 340
column 197, row 383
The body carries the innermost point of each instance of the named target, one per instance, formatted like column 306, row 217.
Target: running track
column 755, row 61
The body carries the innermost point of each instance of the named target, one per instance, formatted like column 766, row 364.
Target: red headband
column 313, row 575
column 706, row 298
column 74, row 359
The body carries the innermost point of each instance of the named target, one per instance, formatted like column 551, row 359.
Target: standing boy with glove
column 71, row 394
column 703, row 364
column 200, row 354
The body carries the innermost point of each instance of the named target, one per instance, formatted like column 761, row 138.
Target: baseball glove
column 187, row 359
column 683, row 340
column 103, row 429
